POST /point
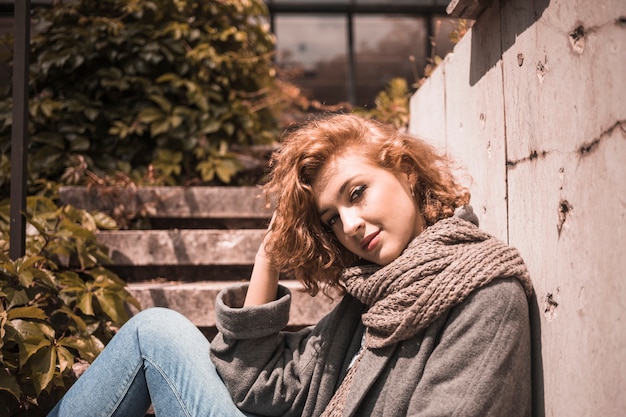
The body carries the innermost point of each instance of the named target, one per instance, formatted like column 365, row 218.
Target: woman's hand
column 263, row 284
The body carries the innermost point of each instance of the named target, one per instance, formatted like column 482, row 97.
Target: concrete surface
column 532, row 104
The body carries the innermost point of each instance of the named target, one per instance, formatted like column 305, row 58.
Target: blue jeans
column 158, row 357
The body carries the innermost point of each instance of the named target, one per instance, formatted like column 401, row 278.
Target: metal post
column 351, row 61
column 19, row 132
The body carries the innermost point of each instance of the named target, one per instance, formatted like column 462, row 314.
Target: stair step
column 182, row 246
column 172, row 202
column 196, row 300
column 201, row 240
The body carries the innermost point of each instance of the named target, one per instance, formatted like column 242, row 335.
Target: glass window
column 387, row 47
column 351, row 51
column 386, row 2
column 443, row 26
column 299, row 2
column 313, row 50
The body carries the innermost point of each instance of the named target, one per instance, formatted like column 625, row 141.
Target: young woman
column 433, row 319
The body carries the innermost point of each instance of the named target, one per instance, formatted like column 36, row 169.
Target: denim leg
column 158, row 357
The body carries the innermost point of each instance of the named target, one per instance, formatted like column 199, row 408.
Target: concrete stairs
column 194, row 242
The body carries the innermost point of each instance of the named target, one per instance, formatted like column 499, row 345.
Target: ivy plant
column 391, row 105
column 161, row 87
column 59, row 306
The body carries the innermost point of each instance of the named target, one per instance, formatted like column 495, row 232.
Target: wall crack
column 589, row 147
column 533, row 155
column 583, row 150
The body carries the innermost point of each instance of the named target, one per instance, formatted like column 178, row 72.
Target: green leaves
column 58, row 303
column 217, row 162
column 135, row 79
column 392, row 104
column 224, row 169
column 8, row 384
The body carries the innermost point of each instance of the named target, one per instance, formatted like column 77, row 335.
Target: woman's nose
column 351, row 221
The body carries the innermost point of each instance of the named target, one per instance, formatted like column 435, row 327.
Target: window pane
column 443, row 26
column 403, row 2
column 383, row 47
column 315, row 47
column 307, row 1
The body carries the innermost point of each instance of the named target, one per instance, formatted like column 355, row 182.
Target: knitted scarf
column 438, row 270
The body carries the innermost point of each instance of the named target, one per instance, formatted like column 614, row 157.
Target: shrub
column 391, row 105
column 158, row 89
column 58, row 305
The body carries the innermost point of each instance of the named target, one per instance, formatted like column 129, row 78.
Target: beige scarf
column 437, row 271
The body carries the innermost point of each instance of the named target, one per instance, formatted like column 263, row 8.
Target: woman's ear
column 411, row 177
column 411, row 180
column 406, row 167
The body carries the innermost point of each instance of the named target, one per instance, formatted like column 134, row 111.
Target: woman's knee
column 153, row 314
column 164, row 326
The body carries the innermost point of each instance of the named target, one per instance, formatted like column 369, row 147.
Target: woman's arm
column 264, row 279
column 270, row 372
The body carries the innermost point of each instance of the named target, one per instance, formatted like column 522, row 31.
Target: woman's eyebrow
column 342, row 189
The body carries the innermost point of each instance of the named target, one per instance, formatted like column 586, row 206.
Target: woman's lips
column 370, row 241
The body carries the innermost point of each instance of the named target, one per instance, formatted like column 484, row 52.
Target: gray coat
column 473, row 361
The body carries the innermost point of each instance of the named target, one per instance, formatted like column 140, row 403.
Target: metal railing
column 19, row 130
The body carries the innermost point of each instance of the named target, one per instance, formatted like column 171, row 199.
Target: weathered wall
column 532, row 103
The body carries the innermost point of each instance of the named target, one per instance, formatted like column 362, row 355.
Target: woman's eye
column 357, row 192
column 332, row 220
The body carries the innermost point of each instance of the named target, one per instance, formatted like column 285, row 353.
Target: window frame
column 351, row 8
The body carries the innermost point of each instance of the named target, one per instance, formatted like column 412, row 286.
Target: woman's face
column 369, row 209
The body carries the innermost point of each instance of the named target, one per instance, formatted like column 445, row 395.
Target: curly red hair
column 299, row 243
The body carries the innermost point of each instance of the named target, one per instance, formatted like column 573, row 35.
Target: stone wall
column 531, row 102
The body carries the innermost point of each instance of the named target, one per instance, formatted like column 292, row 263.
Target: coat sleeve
column 481, row 364
column 268, row 371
